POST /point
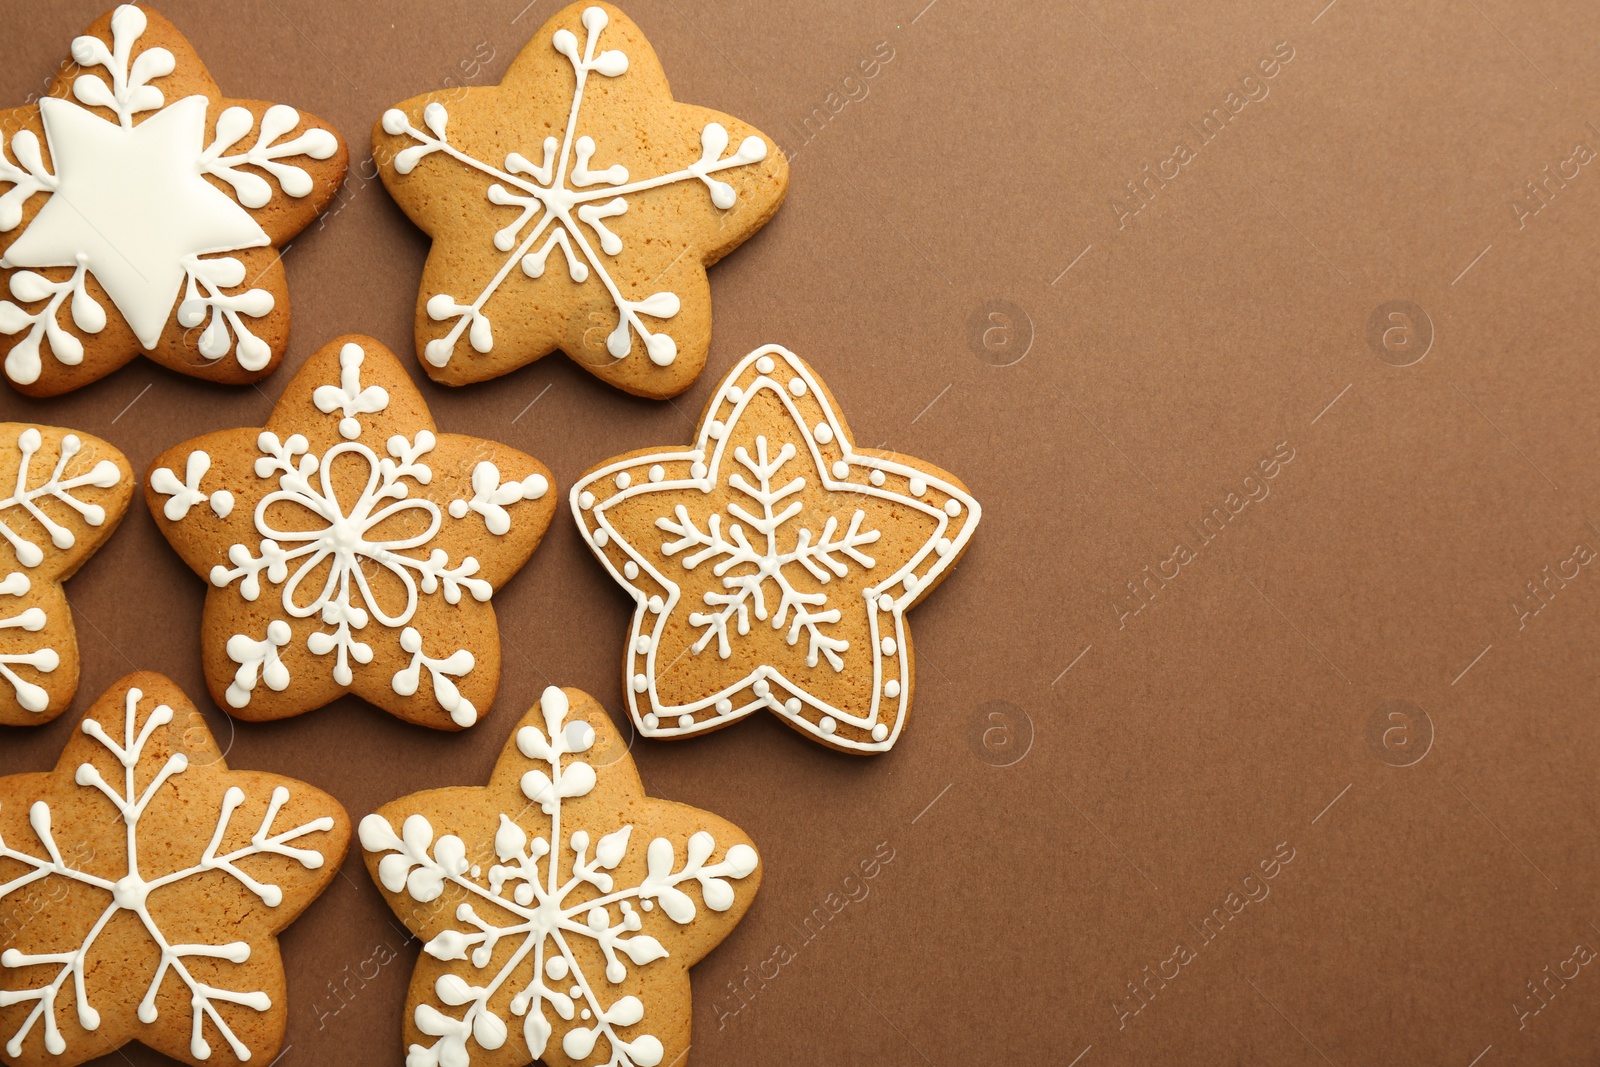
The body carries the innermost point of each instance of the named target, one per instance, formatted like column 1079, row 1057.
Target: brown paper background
column 1231, row 714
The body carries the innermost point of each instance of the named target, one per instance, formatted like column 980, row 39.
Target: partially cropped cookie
column 575, row 205
column 153, row 882
column 62, row 493
column 560, row 908
column 142, row 211
column 772, row 563
column 351, row 548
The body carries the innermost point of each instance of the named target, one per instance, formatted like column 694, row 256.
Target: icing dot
column 879, row 732
column 586, row 499
column 761, row 687
column 458, row 509
column 877, row 478
column 394, row 120
column 576, row 992
column 624, row 480
column 716, row 430
column 640, row 683
column 823, row 432
column 556, row 967
column 724, row 706
column 221, row 503
column 891, row 689
column 797, row 387
column 885, row 602
column 697, row 470
column 841, row 469
column 918, row 486
column 585, row 1013
column 349, row 428
column 952, row 508
column 912, row 584
column 641, row 644
column 656, row 604
column 647, row 905
column 943, row 546
column 601, row 538
column 685, row 721
column 888, row 646
column 650, row 721
column 476, row 870
column 827, row 725
column 630, row 570
column 657, row 473
column 765, row 364
column 792, row 705
column 735, row 394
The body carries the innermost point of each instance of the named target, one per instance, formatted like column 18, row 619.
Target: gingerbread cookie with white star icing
column 62, row 493
column 576, row 205
column 349, row 547
column 152, row 882
column 142, row 211
column 772, row 563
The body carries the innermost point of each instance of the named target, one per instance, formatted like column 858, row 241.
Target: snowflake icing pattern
column 546, row 910
column 780, row 523
column 131, row 892
column 346, row 537
column 129, row 203
column 731, row 549
column 25, row 498
column 565, row 211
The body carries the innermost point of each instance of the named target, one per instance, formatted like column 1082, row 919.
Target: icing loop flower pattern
column 156, row 197
column 772, row 563
column 351, row 533
column 547, row 193
column 555, row 925
column 61, row 495
column 109, row 825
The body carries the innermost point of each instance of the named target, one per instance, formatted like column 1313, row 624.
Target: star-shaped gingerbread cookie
column 351, row 548
column 144, row 213
column 575, row 205
column 61, row 495
column 560, row 908
column 772, row 563
column 153, row 882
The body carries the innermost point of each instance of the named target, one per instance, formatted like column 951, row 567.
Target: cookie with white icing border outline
column 142, row 211
column 534, row 947
column 772, row 563
column 154, row 881
column 575, row 205
column 62, row 494
column 348, row 547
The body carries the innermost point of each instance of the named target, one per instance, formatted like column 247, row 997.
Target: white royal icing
column 759, row 544
column 131, row 891
column 348, row 536
column 33, row 619
column 129, row 203
column 26, row 498
column 543, row 190
column 547, row 911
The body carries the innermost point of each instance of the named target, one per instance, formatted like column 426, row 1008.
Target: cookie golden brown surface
column 350, row 548
column 150, row 884
column 62, row 494
column 560, row 908
column 142, row 211
column 772, row 563
column 575, row 205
